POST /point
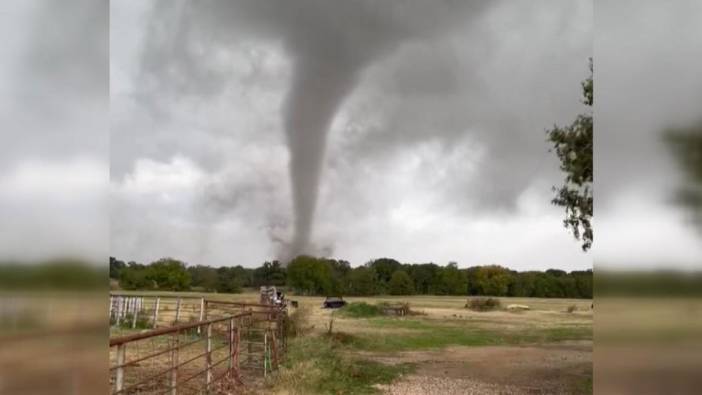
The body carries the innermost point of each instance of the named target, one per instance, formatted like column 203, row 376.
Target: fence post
column 202, row 310
column 208, row 358
column 231, row 345
column 136, row 312
column 118, row 313
column 237, row 343
column 265, row 352
column 249, row 346
column 177, row 310
column 174, row 364
column 119, row 379
column 158, row 302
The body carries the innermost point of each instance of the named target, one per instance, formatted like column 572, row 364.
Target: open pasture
column 442, row 347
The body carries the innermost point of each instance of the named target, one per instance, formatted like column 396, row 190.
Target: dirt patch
column 549, row 369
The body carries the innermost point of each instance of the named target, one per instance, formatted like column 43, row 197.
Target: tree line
column 307, row 275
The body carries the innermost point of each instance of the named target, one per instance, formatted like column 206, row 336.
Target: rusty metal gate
column 207, row 356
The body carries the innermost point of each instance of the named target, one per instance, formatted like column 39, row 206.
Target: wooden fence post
column 177, row 310
column 202, row 310
column 208, row 358
column 265, row 353
column 174, row 364
column 134, row 315
column 158, row 302
column 237, row 343
column 119, row 310
column 231, row 345
column 119, row 379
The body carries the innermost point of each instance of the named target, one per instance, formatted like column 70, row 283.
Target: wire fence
column 208, row 355
column 153, row 311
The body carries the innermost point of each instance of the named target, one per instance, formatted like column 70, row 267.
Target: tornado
column 329, row 48
column 318, row 89
column 329, row 44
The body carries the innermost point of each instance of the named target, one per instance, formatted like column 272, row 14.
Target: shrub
column 483, row 304
column 297, row 322
column 572, row 308
column 143, row 321
column 361, row 310
column 314, row 365
column 400, row 309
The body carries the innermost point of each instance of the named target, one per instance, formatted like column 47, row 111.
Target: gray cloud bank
column 647, row 60
column 403, row 122
column 53, row 128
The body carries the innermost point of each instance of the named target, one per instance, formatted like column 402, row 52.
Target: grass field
column 445, row 348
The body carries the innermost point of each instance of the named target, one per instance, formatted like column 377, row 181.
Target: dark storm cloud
column 371, row 84
column 330, row 45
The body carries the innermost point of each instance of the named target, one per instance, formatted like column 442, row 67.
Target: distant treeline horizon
column 307, row 275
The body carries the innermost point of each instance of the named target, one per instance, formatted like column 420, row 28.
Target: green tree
column 583, row 283
column 169, row 274
column 686, row 145
column 115, row 267
column 400, row 284
column 270, row 273
column 384, row 268
column 573, row 146
column 361, row 281
column 424, row 277
column 493, row 280
column 135, row 276
column 451, row 281
column 204, row 277
column 309, row 275
column 339, row 270
column 523, row 284
column 232, row 279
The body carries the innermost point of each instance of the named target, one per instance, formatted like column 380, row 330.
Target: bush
column 314, row 365
column 483, row 304
column 361, row 310
column 143, row 321
column 298, row 321
column 572, row 308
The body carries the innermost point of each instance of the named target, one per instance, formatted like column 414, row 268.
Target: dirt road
column 549, row 369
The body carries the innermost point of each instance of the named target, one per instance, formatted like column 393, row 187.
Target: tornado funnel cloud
column 317, row 91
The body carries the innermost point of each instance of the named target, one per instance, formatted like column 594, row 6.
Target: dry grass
column 445, row 324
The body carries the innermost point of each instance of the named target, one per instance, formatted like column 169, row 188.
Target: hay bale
column 518, row 307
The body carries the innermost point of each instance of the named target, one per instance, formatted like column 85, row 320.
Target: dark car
column 332, row 302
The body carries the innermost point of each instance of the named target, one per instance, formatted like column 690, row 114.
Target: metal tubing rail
column 245, row 304
column 156, row 354
column 172, row 329
column 136, row 295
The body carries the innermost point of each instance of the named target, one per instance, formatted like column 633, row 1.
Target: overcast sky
column 54, row 108
column 647, row 79
column 436, row 151
column 435, row 146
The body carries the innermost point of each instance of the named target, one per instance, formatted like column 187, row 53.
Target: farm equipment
column 271, row 296
column 332, row 302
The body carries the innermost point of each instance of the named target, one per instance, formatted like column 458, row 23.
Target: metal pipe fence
column 178, row 359
column 202, row 356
